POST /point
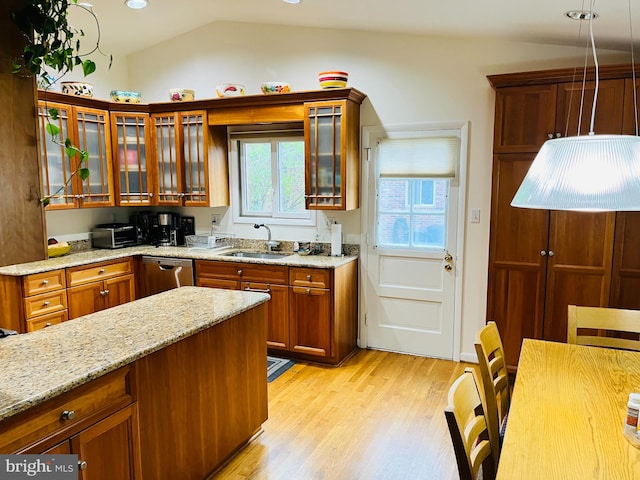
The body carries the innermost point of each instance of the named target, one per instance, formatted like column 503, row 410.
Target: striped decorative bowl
column 333, row 79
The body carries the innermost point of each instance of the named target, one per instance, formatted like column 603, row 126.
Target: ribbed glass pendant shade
column 584, row 173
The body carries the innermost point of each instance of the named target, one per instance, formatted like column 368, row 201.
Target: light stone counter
column 98, row 255
column 43, row 364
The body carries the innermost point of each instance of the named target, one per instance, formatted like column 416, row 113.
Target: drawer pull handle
column 47, row 303
column 68, row 415
column 259, row 290
column 309, row 277
column 48, row 324
column 239, row 273
column 82, row 465
column 101, row 270
column 308, row 291
column 45, row 282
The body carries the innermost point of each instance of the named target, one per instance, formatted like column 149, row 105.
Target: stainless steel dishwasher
column 164, row 273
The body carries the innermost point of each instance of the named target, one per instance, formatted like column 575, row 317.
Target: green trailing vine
column 51, row 43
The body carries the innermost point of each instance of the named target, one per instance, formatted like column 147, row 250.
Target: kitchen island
column 181, row 376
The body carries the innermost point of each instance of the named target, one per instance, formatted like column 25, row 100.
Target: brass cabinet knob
column 448, row 267
column 101, row 270
column 45, row 282
column 47, row 303
column 82, row 465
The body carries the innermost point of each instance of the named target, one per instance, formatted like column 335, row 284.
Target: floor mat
column 277, row 366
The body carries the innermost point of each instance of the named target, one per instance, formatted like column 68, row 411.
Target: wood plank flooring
column 379, row 416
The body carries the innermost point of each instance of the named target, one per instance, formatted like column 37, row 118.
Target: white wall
column 407, row 78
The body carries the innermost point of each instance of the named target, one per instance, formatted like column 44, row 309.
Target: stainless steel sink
column 263, row 255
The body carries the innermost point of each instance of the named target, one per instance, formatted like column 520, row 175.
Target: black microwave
column 114, row 235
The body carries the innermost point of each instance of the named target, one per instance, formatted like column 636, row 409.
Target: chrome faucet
column 271, row 244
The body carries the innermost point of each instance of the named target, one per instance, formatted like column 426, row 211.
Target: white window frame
column 236, row 185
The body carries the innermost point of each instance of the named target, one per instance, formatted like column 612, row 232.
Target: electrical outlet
column 215, row 219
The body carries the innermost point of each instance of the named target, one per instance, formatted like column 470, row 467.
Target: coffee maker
column 167, row 233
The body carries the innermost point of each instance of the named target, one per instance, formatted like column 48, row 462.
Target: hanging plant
column 51, row 43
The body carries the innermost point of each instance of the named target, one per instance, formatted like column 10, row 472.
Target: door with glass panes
column 412, row 218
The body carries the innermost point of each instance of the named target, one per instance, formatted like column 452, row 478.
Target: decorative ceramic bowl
column 333, row 79
column 275, row 87
column 82, row 89
column 181, row 95
column 124, row 96
column 56, row 250
column 230, row 90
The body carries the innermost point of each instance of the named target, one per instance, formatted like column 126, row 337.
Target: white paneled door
column 410, row 262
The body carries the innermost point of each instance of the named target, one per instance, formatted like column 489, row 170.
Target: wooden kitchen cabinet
column 49, row 425
column 134, row 172
column 271, row 279
column 331, row 138
column 100, row 285
column 182, row 142
column 87, row 129
column 45, row 299
column 311, row 321
column 540, row 261
column 323, row 312
column 313, row 312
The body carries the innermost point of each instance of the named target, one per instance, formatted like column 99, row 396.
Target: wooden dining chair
column 468, row 429
column 495, row 382
column 592, row 326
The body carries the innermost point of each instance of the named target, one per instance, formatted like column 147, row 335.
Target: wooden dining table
column 567, row 414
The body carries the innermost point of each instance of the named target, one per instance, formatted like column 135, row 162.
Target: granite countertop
column 99, row 255
column 40, row 365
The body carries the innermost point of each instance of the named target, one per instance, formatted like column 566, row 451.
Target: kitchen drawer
column 98, row 271
column 310, row 277
column 45, row 303
column 43, row 321
column 247, row 272
column 86, row 405
column 43, row 282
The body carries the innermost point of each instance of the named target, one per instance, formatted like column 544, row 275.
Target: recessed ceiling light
column 581, row 15
column 292, row 1
column 136, row 4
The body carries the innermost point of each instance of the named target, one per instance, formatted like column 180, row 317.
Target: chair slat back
column 468, row 428
column 601, row 321
column 495, row 381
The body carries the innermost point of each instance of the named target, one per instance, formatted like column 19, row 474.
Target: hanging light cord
column 573, row 81
column 595, row 62
column 633, row 71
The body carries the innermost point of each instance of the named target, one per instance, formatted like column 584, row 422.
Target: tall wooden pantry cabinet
column 540, row 261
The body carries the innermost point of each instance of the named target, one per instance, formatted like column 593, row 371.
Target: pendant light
column 586, row 172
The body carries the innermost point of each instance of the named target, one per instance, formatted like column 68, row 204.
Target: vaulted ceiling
column 542, row 21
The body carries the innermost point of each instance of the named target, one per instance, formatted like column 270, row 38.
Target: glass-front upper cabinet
column 93, row 134
column 181, row 143
column 134, row 173
column 331, row 154
column 87, row 129
column 195, row 158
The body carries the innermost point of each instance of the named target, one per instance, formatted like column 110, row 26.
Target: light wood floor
column 379, row 416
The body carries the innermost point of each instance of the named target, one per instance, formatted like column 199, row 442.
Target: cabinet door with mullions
column 93, row 135
column 325, row 154
column 166, row 144
column 57, row 167
column 133, row 177
column 194, row 149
